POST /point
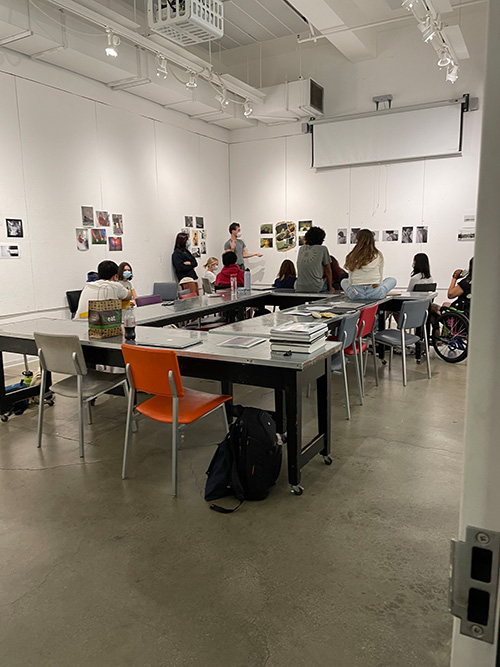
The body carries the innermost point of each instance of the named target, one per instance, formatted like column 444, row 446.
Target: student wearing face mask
column 212, row 266
column 237, row 245
column 125, row 276
column 183, row 261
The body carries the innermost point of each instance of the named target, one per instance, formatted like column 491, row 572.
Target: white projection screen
column 392, row 136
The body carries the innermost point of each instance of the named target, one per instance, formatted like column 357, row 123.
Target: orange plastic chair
column 365, row 329
column 188, row 296
column 156, row 371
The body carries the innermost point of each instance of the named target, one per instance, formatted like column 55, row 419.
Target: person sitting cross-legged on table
column 230, row 269
column 366, row 267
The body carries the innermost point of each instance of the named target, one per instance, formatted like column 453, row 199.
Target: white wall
column 62, row 150
column 271, row 178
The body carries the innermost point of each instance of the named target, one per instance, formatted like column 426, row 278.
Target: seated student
column 106, row 287
column 313, row 263
column 286, row 276
column 230, row 269
column 421, row 274
column 211, row 267
column 338, row 274
column 460, row 291
column 125, row 276
column 366, row 266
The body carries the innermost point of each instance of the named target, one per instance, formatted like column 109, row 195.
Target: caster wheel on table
column 328, row 460
column 297, row 490
column 4, row 418
column 384, row 362
column 418, row 361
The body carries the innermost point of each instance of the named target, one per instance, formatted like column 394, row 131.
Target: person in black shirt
column 461, row 291
column 183, row 261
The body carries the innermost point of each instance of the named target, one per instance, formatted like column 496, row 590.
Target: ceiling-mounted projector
column 187, row 22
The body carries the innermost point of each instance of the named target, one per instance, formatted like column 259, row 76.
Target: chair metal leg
column 308, row 390
column 359, row 354
column 391, row 353
column 358, row 378
column 81, row 432
column 346, row 386
column 40, row 408
column 226, row 422
column 127, row 396
column 130, row 421
column 428, row 361
column 403, row 356
column 89, row 412
column 374, row 353
column 175, row 443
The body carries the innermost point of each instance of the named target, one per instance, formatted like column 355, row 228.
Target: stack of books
column 302, row 337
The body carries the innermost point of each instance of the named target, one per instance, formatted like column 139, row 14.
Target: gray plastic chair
column 412, row 316
column 167, row 291
column 207, row 286
column 346, row 335
column 64, row 354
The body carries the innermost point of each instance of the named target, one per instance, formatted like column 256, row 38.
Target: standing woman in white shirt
column 365, row 265
column 421, row 274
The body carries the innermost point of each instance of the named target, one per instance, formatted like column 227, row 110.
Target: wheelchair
column 450, row 334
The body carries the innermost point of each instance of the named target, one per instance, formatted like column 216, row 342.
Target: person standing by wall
column 313, row 264
column 237, row 245
column 183, row 261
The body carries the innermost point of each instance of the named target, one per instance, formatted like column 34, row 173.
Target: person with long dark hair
column 421, row 273
column 287, row 275
column 366, row 266
column 183, row 261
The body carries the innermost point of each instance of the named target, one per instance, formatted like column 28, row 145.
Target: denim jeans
column 368, row 292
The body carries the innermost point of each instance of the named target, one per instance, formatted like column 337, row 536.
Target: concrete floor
column 103, row 573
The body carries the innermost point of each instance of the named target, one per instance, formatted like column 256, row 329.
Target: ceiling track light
column 113, row 42
column 192, row 83
column 222, row 98
column 428, row 29
column 247, row 109
column 444, row 58
column 161, row 69
column 452, row 72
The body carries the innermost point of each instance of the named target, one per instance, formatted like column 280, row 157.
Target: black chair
column 73, row 298
column 425, row 287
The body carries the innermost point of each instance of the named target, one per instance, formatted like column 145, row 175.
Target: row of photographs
column 191, row 221
column 408, row 235
column 97, row 237
column 102, row 219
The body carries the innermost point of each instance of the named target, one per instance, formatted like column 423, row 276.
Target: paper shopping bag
column 105, row 318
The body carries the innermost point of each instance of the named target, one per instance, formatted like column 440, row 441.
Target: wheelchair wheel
column 450, row 336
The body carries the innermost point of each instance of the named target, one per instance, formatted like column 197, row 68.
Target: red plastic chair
column 365, row 328
column 156, row 371
column 190, row 295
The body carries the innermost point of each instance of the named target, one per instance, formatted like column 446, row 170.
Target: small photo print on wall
column 422, row 234
column 82, row 239
column 407, row 235
column 115, row 243
column 342, row 236
column 200, row 224
column 194, row 237
column 266, row 228
column 102, row 218
column 8, row 251
column 98, row 236
column 196, row 252
column 305, row 225
column 188, row 221
column 376, row 235
column 117, row 224
column 390, row 235
column 87, row 216
column 266, row 242
column 354, row 234
column 285, row 236
column 203, row 248
column 302, row 240
column 202, row 234
column 14, row 228
column 466, row 234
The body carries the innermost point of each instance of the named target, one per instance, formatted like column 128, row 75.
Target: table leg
column 226, row 388
column 279, row 412
column 293, row 407
column 3, row 402
column 324, row 402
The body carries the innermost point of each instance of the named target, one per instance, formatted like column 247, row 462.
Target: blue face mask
column 127, row 274
column 188, row 244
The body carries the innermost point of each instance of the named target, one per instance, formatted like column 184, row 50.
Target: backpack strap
column 236, row 485
column 224, row 510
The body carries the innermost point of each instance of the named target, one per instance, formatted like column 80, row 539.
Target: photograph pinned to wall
column 354, row 234
column 102, row 218
column 407, row 235
column 8, row 251
column 87, row 216
column 196, row 252
column 186, row 231
column 203, row 248
column 115, row 243
column 422, row 235
column 194, row 237
column 188, row 221
column 117, row 224
column 98, row 236
column 286, row 236
column 342, row 236
column 202, row 234
column 14, row 228
column 82, row 239
column 305, row 225
column 266, row 242
column 302, row 240
column 376, row 235
column 200, row 223
column 266, row 228
column 466, row 234
column 390, row 235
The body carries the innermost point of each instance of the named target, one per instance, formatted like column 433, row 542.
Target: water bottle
column 234, row 286
column 248, row 280
column 129, row 323
column 28, row 377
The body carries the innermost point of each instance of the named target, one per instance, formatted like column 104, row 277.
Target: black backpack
column 247, row 462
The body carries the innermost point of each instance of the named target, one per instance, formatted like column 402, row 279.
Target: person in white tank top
column 365, row 265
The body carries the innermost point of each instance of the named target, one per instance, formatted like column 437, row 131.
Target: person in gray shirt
column 237, row 245
column 314, row 272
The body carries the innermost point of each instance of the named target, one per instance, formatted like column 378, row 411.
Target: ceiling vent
column 187, row 22
column 305, row 98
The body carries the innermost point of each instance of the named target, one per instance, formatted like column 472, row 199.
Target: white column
column 481, row 489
